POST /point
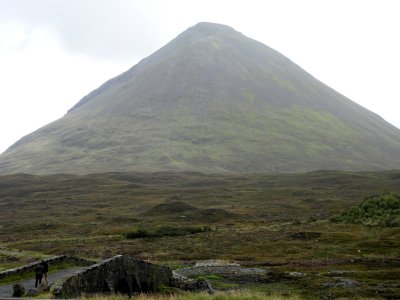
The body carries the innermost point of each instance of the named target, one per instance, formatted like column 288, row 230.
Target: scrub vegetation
column 201, row 296
column 166, row 231
column 383, row 211
column 280, row 223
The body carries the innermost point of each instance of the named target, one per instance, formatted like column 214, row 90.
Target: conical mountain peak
column 212, row 100
column 204, row 29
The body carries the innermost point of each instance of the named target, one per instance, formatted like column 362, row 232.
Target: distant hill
column 212, row 100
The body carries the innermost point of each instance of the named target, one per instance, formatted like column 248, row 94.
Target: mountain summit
column 212, row 100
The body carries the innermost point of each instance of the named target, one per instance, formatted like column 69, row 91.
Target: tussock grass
column 276, row 221
column 236, row 295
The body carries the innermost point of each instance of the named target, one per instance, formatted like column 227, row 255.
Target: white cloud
column 41, row 81
column 102, row 29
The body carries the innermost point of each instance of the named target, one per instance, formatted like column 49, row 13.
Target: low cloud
column 102, row 29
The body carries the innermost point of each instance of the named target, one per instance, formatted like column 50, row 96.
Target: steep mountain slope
column 212, row 100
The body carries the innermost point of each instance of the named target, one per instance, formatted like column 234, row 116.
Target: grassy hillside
column 278, row 222
column 213, row 101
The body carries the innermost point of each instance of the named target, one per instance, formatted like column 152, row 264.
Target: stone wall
column 119, row 274
column 208, row 270
column 51, row 261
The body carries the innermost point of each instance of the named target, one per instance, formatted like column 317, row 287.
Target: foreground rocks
column 32, row 293
column 18, row 290
column 119, row 274
column 116, row 275
column 124, row 275
column 193, row 285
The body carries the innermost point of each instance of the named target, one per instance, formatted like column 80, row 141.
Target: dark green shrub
column 137, row 234
column 180, row 231
column 305, row 235
column 383, row 210
column 166, row 231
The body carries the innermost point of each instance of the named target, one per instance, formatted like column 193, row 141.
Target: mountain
column 212, row 100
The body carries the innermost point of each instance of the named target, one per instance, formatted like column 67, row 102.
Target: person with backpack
column 45, row 271
column 38, row 274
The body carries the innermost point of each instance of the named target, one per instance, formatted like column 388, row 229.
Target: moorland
column 284, row 223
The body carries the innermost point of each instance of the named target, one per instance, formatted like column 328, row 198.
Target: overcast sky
column 54, row 52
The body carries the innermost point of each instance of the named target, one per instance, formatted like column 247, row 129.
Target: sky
column 54, row 52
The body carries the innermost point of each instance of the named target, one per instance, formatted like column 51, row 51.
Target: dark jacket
column 39, row 270
column 45, row 267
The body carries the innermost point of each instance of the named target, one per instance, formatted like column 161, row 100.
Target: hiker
column 45, row 271
column 39, row 274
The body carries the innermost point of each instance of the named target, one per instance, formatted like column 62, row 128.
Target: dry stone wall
column 51, row 261
column 207, row 270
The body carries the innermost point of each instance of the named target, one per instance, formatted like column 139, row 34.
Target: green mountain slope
column 212, row 100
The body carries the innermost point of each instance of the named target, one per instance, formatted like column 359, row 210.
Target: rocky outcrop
column 119, row 274
column 193, row 285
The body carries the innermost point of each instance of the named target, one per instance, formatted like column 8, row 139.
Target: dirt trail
column 6, row 290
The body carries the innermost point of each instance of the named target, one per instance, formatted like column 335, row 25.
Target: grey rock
column 193, row 285
column 200, row 285
column 296, row 274
column 18, row 290
column 347, row 283
column 32, row 292
column 342, row 283
column 56, row 291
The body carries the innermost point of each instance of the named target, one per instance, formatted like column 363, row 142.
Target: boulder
column 18, row 290
column 199, row 285
column 56, row 291
column 193, row 285
column 32, row 292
